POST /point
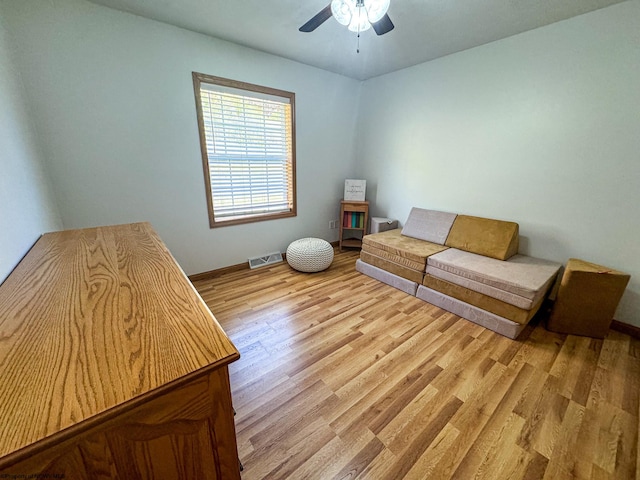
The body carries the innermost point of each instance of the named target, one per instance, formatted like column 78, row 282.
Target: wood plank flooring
column 343, row 377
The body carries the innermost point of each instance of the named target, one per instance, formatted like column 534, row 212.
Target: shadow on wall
column 629, row 302
column 372, row 196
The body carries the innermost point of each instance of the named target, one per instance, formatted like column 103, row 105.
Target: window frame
column 198, row 79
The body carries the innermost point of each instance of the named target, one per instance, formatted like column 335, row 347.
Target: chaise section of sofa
column 512, row 290
column 521, row 280
column 404, row 252
column 399, row 254
column 466, row 265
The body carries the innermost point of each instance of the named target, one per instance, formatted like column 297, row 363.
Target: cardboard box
column 380, row 224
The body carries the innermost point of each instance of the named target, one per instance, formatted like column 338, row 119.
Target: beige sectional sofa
column 467, row 265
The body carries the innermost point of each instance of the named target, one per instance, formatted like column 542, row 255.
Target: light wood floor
column 342, row 376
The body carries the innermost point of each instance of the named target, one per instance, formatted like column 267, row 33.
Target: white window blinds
column 249, row 150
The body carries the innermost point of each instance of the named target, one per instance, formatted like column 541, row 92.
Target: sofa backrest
column 484, row 236
column 429, row 225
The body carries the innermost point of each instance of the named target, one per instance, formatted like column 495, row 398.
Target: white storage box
column 380, row 224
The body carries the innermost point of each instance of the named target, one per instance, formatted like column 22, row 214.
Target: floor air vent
column 268, row 259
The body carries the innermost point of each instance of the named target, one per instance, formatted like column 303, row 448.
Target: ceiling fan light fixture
column 343, row 11
column 359, row 21
column 357, row 15
column 376, row 9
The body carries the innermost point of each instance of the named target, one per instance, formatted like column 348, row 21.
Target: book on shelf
column 353, row 220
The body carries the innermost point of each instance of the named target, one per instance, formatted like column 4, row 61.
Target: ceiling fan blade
column 383, row 25
column 319, row 19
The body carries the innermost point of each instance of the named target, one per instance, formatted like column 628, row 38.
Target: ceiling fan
column 358, row 15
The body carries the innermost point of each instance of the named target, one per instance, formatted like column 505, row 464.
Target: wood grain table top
column 94, row 322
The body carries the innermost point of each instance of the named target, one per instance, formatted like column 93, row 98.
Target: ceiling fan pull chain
column 359, row 24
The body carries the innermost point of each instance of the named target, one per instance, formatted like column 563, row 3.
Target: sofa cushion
column 399, row 270
column 485, row 302
column 392, row 257
column 429, row 225
column 394, row 242
column 484, row 236
column 522, row 275
column 488, row 320
column 497, row 293
column 395, row 281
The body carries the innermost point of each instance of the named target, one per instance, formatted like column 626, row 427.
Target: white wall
column 27, row 208
column 542, row 128
column 116, row 114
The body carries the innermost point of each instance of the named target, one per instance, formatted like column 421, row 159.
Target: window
column 247, row 137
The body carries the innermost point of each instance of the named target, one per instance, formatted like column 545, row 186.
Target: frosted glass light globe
column 343, row 10
column 376, row 9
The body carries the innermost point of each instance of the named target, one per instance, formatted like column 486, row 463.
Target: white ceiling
column 424, row 29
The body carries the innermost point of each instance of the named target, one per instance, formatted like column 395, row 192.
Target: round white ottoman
column 310, row 254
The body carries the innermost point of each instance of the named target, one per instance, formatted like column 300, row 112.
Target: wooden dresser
column 111, row 365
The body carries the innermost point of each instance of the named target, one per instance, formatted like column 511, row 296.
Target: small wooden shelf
column 354, row 218
column 352, row 242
